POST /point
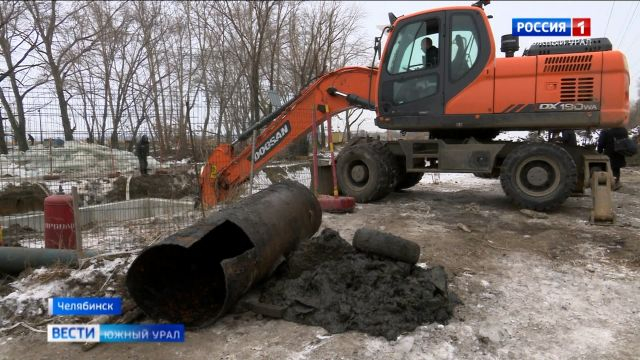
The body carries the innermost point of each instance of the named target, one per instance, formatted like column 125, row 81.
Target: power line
column 609, row 19
column 628, row 23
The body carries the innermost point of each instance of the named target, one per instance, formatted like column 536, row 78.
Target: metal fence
column 119, row 208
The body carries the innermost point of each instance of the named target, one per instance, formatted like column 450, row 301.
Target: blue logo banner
column 73, row 333
column 85, row 306
column 142, row 333
column 115, row 333
column 541, row 27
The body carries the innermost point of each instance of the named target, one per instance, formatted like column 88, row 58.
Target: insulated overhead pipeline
column 197, row 274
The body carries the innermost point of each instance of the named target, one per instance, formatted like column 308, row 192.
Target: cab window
column 416, row 47
column 464, row 45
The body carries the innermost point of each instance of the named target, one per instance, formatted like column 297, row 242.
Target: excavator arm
column 339, row 90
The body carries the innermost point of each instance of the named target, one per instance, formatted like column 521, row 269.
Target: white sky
column 622, row 27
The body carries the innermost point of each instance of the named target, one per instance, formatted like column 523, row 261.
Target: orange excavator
column 439, row 73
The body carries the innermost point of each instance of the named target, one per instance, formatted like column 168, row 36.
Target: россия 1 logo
column 551, row 27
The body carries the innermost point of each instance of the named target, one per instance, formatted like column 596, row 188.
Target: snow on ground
column 28, row 302
column 299, row 172
column 533, row 309
column 583, row 138
column 512, row 136
column 451, row 182
column 76, row 158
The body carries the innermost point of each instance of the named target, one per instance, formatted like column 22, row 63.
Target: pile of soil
column 26, row 197
column 281, row 173
column 634, row 160
column 165, row 186
column 12, row 235
column 327, row 283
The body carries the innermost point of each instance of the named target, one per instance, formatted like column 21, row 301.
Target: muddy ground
column 541, row 288
column 165, row 186
column 22, row 198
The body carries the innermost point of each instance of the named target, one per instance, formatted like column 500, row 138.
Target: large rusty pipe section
column 196, row 275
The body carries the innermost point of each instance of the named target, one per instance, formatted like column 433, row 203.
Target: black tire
column 366, row 171
column 538, row 176
column 404, row 179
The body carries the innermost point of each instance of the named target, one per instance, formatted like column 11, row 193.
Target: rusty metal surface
column 387, row 245
column 197, row 274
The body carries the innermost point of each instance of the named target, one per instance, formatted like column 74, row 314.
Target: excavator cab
column 429, row 59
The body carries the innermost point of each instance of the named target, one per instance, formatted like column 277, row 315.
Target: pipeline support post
column 599, row 177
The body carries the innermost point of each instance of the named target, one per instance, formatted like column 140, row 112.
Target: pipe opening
column 187, row 285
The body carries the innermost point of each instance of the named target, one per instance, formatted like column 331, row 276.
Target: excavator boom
column 224, row 170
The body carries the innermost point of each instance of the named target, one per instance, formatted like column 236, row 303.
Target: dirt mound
column 165, row 186
column 634, row 160
column 313, row 252
column 281, row 173
column 26, row 197
column 328, row 284
column 12, row 235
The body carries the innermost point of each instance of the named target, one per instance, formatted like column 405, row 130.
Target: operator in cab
column 430, row 57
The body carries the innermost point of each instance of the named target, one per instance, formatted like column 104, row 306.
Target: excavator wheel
column 405, row 180
column 366, row 171
column 538, row 176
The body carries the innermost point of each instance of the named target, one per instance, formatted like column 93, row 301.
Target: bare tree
column 145, row 66
column 16, row 38
column 152, row 23
column 350, row 118
column 10, row 12
column 130, row 57
column 83, row 83
column 62, row 29
column 322, row 37
column 250, row 22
